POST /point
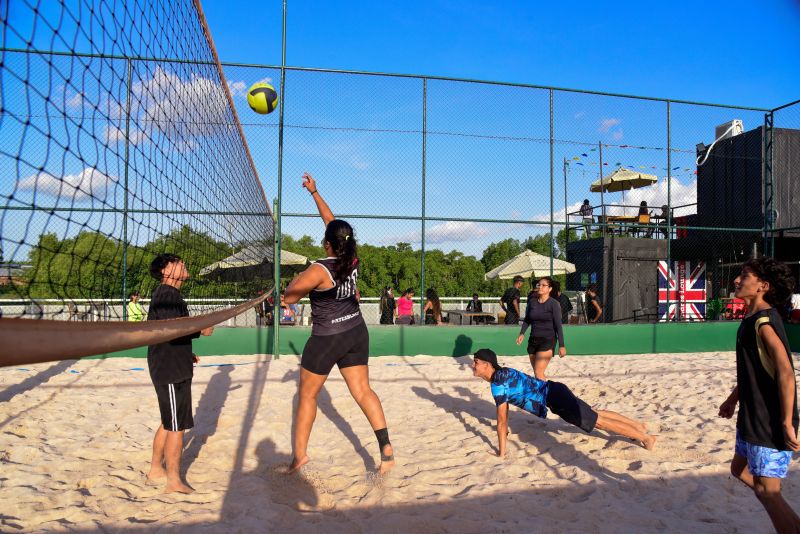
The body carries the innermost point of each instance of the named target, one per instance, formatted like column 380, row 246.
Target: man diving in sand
column 510, row 386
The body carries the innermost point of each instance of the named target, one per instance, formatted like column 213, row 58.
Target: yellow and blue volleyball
column 262, row 98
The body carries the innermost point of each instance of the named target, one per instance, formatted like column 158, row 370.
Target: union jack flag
column 684, row 288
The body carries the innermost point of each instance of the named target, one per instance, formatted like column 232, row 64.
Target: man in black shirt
column 593, row 309
column 476, row 306
column 170, row 366
column 509, row 302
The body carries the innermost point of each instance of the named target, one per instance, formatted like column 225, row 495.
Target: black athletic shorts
column 540, row 344
column 175, row 405
column 347, row 349
column 563, row 402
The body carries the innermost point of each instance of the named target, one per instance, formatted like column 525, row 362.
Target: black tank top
column 759, row 421
column 335, row 310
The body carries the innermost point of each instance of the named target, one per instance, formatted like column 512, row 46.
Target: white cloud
column 115, row 133
column 75, row 101
column 607, row 124
column 88, row 183
column 237, row 88
column 617, row 135
column 446, row 232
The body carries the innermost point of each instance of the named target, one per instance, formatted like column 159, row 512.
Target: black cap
column 489, row 356
column 518, row 278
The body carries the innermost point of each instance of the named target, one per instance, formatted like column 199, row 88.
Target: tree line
column 90, row 265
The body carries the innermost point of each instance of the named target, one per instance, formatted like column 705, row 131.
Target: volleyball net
column 120, row 142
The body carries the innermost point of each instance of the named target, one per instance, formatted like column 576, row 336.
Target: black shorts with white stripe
column 175, row 404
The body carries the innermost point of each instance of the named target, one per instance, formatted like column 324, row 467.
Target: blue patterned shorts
column 763, row 461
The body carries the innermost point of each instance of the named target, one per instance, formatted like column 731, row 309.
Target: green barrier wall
column 458, row 341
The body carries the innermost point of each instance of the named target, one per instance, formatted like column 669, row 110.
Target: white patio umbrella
column 527, row 264
column 251, row 262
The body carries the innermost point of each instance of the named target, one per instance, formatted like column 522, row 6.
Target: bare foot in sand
column 649, row 442
column 178, row 487
column 155, row 475
column 297, row 464
column 387, row 465
column 642, row 426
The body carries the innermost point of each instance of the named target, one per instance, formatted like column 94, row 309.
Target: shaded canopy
column 527, row 264
column 622, row 179
column 255, row 261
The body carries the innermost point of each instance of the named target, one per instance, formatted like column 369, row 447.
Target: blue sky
column 732, row 52
column 487, row 147
column 712, row 52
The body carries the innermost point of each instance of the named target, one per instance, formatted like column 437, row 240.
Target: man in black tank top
column 766, row 427
column 339, row 335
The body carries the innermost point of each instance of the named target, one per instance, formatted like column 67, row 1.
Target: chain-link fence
column 652, row 203
column 446, row 180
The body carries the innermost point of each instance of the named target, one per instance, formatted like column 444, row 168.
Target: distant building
column 12, row 273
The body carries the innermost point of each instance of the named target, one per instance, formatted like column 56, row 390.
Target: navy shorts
column 175, row 405
column 540, row 344
column 346, row 349
column 563, row 402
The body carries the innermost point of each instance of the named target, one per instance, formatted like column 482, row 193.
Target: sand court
column 75, row 443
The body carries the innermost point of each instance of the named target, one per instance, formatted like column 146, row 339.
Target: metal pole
column 276, row 282
column 424, row 159
column 669, row 206
column 276, row 251
column 769, row 222
column 125, row 197
column 602, row 197
column 566, row 217
column 552, row 182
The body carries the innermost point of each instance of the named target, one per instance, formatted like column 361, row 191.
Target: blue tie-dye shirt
column 521, row 390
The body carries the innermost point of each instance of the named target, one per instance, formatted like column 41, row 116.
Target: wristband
column 312, row 192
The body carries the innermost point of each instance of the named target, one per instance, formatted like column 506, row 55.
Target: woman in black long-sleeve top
column 544, row 316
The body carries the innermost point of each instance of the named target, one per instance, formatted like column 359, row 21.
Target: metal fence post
column 769, row 222
column 276, row 251
column 602, row 196
column 422, row 235
column 552, row 181
column 125, row 197
column 669, row 204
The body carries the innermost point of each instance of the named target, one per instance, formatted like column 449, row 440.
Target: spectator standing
column 566, row 305
column 135, row 311
column 405, row 307
column 593, row 308
column 387, row 306
column 586, row 216
column 433, row 307
column 509, row 302
column 288, row 311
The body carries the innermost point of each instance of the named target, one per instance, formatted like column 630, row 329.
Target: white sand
column 75, row 442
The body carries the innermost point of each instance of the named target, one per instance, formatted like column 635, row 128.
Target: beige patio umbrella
column 252, row 262
column 622, row 179
column 527, row 264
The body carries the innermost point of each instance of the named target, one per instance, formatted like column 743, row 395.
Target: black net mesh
column 111, row 155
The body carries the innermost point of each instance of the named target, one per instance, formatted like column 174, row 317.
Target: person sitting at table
column 643, row 208
column 476, row 306
column 433, row 307
column 586, row 215
column 662, row 224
